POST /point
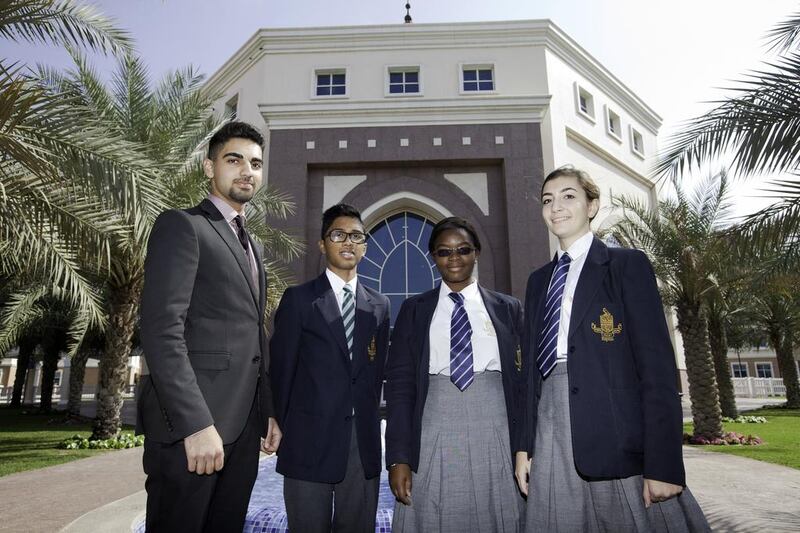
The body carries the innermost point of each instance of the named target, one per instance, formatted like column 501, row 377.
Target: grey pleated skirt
column 465, row 480
column 560, row 500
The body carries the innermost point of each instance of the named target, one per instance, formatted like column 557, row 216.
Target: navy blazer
column 407, row 369
column 316, row 386
column 623, row 399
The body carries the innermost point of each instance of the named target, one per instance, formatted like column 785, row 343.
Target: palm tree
column 720, row 308
column 682, row 237
column 758, row 129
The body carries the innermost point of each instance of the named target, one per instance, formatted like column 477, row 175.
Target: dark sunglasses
column 447, row 252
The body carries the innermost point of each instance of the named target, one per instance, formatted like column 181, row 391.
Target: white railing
column 89, row 393
column 758, row 387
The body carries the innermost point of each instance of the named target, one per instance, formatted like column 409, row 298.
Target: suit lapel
column 363, row 327
column 543, row 283
column 217, row 222
column 498, row 314
column 329, row 307
column 594, row 270
column 262, row 276
column 422, row 325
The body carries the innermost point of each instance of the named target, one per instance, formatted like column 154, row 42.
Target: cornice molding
column 421, row 112
column 465, row 35
column 608, row 158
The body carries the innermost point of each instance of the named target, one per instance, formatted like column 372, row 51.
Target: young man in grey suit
column 207, row 399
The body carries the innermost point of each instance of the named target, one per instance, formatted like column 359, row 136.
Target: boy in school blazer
column 327, row 363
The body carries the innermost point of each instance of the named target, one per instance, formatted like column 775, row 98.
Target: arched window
column 397, row 262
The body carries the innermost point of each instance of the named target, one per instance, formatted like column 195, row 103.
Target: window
column 477, row 78
column 57, row 378
column 739, row 370
column 637, row 142
column 331, row 83
column 404, row 81
column 764, row 370
column 613, row 127
column 584, row 103
column 232, row 108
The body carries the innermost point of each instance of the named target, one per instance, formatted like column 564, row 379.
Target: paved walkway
column 104, row 494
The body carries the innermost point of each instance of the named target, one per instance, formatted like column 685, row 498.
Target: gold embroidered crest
column 372, row 350
column 607, row 329
column 518, row 359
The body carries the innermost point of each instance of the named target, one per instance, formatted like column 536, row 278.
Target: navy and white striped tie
column 548, row 340
column 461, row 371
column 349, row 317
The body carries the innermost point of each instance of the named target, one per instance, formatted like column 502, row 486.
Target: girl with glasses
column 452, row 371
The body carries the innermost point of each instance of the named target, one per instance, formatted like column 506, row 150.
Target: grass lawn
column 781, row 436
column 28, row 439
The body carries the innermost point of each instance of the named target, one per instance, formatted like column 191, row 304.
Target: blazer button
column 353, row 381
column 256, row 359
column 572, row 349
column 575, row 390
column 347, row 418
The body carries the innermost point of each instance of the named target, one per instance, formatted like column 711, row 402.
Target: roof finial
column 408, row 12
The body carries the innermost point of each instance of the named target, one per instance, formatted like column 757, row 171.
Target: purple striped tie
column 461, row 371
column 548, row 339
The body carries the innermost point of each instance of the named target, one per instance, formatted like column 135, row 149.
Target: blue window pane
column 370, row 268
column 470, row 86
column 323, row 91
column 420, row 278
column 470, row 75
column 484, row 75
column 412, row 88
column 372, row 284
column 337, row 89
column 392, row 278
column 414, row 227
column 396, row 302
column 486, row 86
column 412, row 77
column 338, row 79
column 395, row 89
column 383, row 244
column 426, row 236
column 323, row 79
column 395, row 77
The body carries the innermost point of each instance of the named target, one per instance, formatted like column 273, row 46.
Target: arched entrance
column 397, row 262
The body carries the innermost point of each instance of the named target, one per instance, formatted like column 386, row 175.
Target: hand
column 400, row 482
column 658, row 491
column 270, row 443
column 522, row 471
column 204, row 452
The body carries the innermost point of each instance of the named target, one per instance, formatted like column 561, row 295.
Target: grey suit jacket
column 202, row 329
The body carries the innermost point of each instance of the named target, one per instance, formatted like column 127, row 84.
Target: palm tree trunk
column 124, row 308
column 76, row 377
column 706, row 415
column 26, row 347
column 722, row 369
column 782, row 342
column 52, row 351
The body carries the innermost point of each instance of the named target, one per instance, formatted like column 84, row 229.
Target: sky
column 675, row 55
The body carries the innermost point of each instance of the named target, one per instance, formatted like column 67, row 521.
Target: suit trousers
column 182, row 501
column 353, row 501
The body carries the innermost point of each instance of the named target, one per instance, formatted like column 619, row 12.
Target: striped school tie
column 461, row 371
column 548, row 341
column 349, row 317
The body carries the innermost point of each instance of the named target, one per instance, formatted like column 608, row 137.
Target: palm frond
column 61, row 22
column 19, row 312
column 785, row 35
column 759, row 127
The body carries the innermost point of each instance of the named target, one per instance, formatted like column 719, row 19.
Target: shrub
column 123, row 440
column 745, row 419
column 729, row 438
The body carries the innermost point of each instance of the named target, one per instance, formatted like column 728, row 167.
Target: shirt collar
column 579, row 247
column 337, row 283
column 228, row 213
column 470, row 292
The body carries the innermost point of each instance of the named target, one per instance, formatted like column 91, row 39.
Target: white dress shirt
column 337, row 284
column 485, row 350
column 577, row 252
column 229, row 213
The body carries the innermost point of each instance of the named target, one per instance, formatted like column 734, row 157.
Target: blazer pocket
column 210, row 360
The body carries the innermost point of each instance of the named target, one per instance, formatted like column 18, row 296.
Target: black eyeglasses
column 356, row 237
column 447, row 252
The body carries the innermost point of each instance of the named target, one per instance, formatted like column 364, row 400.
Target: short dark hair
column 455, row 223
column 233, row 130
column 336, row 211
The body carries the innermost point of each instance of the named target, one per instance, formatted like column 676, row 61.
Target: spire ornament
column 408, row 12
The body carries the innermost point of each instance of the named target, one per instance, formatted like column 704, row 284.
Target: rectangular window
column 232, row 108
column 739, row 370
column 331, row 83
column 404, row 81
column 584, row 103
column 764, row 370
column 637, row 142
column 613, row 126
column 57, row 378
column 477, row 79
